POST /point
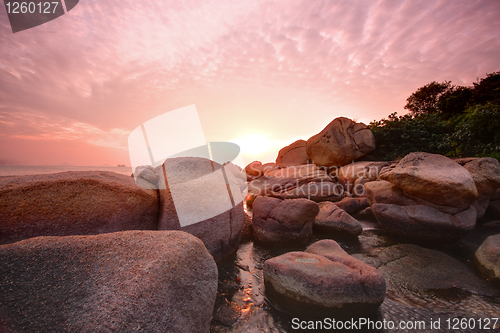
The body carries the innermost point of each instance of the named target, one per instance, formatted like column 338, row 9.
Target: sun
column 254, row 144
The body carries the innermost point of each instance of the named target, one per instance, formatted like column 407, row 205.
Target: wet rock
column 203, row 198
column 411, row 267
column 149, row 281
column 333, row 219
column 324, row 280
column 294, row 154
column 486, row 175
column 487, row 258
column 340, row 142
column 226, row 313
column 434, row 178
column 277, row 221
column 73, row 203
column 424, row 223
column 247, row 229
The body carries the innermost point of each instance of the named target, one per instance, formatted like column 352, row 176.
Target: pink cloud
column 285, row 68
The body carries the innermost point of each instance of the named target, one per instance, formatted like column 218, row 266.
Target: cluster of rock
column 88, row 203
column 432, row 198
column 144, row 257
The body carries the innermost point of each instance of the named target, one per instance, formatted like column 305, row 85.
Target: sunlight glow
column 254, row 144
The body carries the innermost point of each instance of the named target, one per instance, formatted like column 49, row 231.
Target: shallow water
column 241, row 288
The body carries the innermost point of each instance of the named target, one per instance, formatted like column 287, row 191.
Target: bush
column 477, row 132
column 445, row 119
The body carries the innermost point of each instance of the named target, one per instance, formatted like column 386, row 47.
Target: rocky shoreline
column 196, row 246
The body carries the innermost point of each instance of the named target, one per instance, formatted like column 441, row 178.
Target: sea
column 22, row 170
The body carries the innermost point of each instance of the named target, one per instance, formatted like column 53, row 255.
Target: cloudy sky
column 261, row 73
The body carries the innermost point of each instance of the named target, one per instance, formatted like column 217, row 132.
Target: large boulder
column 416, row 275
column 149, row 281
column 73, row 203
column 486, row 175
column 488, row 258
column 333, row 219
column 323, row 281
column 294, row 154
column 424, row 223
column 434, row 178
column 203, row 198
column 385, row 192
column 340, row 142
column 277, row 221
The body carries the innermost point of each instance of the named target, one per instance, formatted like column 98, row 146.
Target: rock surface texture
column 148, row 281
column 488, row 258
column 73, row 203
column 333, row 219
column 294, row 154
column 277, row 221
column 323, row 280
column 340, row 142
column 434, row 178
column 486, row 175
column 202, row 198
column 425, row 197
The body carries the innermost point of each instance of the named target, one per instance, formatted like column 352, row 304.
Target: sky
column 261, row 73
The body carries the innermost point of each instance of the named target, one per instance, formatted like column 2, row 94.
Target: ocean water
column 21, row 170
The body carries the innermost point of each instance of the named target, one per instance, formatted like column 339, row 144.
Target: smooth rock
column 294, row 154
column 150, row 281
column 434, row 178
column 340, row 142
column 486, row 175
column 411, row 270
column 146, row 177
column 305, row 181
column 324, row 280
column 202, row 198
column 256, row 169
column 353, row 205
column 277, row 221
column 385, row 192
column 424, row 223
column 73, row 203
column 487, row 258
column 333, row 219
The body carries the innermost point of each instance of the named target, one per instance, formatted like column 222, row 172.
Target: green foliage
column 487, row 89
column 450, row 120
column 425, row 100
column 477, row 133
column 399, row 136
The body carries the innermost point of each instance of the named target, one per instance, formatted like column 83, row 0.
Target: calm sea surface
column 20, row 170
